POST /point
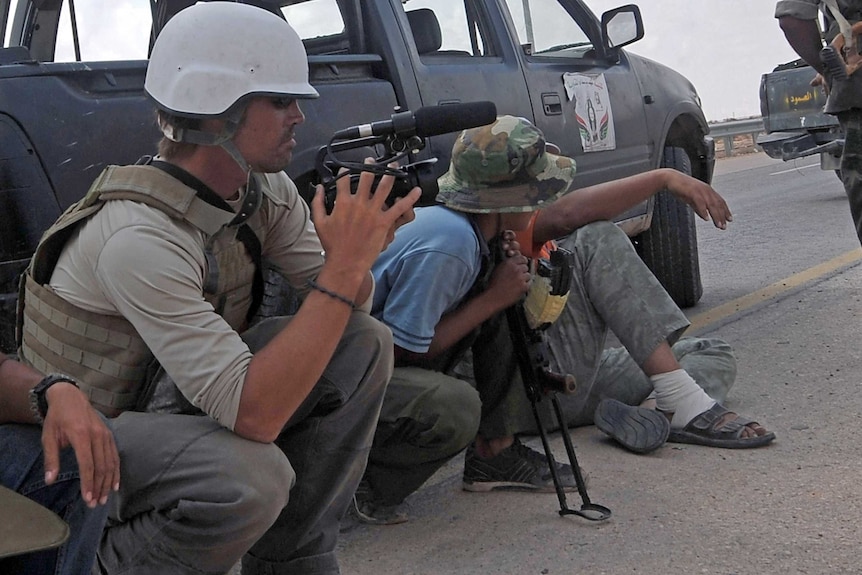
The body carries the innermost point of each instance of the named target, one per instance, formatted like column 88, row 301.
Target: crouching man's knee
column 443, row 412
column 363, row 361
column 462, row 414
column 193, row 493
column 262, row 483
column 246, row 496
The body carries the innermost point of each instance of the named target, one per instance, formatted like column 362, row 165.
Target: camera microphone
column 426, row 121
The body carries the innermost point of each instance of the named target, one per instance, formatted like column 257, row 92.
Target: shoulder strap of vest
column 160, row 189
column 55, row 237
column 139, row 183
column 843, row 25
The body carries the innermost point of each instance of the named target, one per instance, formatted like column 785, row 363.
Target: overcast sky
column 722, row 46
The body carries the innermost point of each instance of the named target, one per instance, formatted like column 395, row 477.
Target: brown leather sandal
column 702, row 430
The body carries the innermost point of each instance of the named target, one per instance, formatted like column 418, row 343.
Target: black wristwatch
column 38, row 401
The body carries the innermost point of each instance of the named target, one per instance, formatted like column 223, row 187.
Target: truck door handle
column 552, row 104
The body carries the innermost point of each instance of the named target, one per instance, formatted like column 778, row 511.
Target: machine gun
column 527, row 321
column 394, row 139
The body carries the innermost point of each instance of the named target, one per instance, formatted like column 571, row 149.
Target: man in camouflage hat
column 504, row 168
column 435, row 286
column 613, row 290
column 437, row 290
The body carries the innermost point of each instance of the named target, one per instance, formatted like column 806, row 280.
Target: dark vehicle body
column 794, row 123
column 62, row 122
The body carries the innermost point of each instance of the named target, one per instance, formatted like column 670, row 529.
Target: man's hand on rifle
column 510, row 279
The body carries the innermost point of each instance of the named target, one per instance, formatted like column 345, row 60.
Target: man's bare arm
column 353, row 235
column 16, row 381
column 607, row 200
column 804, row 37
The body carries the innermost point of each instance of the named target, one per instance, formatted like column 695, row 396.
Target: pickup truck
column 72, row 101
column 793, row 120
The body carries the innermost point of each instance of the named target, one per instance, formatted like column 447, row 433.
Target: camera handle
column 395, row 148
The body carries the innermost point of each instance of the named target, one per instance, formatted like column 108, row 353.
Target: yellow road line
column 723, row 311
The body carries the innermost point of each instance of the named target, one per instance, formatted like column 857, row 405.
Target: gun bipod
column 532, row 364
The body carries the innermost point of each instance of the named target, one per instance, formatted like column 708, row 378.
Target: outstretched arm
column 607, row 200
column 70, row 421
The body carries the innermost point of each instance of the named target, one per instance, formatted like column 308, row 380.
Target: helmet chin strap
column 229, row 147
column 224, row 138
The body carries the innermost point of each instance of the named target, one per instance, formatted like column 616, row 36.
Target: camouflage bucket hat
column 504, row 167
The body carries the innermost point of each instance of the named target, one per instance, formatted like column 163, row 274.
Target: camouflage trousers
column 612, row 290
column 428, row 417
column 851, row 164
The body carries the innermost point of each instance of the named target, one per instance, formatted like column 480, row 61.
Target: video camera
column 402, row 134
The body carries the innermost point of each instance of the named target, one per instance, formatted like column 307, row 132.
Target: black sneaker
column 515, row 468
column 368, row 509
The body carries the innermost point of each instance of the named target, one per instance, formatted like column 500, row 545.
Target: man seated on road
column 614, row 290
column 258, row 451
column 35, row 461
column 436, row 287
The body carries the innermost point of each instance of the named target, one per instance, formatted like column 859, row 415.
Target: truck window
column 545, row 28
column 320, row 25
column 107, row 30
column 448, row 28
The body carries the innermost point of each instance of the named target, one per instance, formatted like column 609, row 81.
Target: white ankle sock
column 677, row 392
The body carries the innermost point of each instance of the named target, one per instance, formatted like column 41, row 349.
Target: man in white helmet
column 143, row 292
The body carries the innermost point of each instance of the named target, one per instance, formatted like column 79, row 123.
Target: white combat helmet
column 214, row 54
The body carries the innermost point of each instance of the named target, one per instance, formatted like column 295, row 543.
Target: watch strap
column 38, row 399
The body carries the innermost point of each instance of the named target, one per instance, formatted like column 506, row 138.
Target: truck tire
column 669, row 246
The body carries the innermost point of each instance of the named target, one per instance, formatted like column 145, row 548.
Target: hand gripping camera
column 404, row 133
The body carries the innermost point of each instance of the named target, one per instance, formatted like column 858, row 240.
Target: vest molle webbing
column 105, row 353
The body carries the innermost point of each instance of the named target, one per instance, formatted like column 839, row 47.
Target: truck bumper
column 792, row 145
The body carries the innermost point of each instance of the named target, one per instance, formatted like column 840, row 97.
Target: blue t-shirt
column 425, row 273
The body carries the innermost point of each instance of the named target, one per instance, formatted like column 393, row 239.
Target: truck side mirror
column 622, row 26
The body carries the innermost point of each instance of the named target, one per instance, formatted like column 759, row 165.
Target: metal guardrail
column 728, row 130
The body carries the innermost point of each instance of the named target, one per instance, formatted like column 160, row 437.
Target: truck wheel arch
column 687, row 131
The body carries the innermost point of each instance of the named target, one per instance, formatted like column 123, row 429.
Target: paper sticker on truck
column 592, row 110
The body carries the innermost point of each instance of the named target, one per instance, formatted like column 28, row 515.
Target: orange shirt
column 530, row 248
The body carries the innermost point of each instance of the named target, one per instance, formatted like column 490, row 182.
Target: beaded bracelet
column 314, row 285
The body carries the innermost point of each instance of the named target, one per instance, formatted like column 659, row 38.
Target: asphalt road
column 788, row 218
column 783, row 286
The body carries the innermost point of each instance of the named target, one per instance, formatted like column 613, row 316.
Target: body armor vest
column 105, row 353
